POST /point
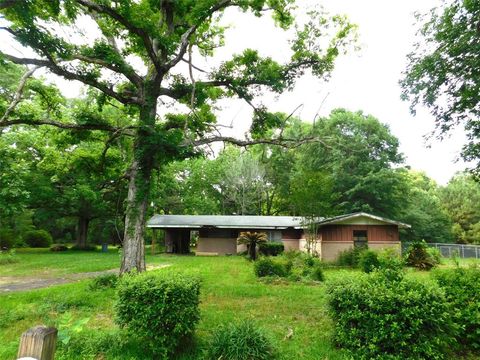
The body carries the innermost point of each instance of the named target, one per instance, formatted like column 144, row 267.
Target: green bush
column 271, row 248
column 368, row 261
column 8, row 257
column 7, row 239
column 38, row 238
column 435, row 254
column 462, row 289
column 419, row 257
column 349, row 257
column 267, row 266
column 104, row 282
column 162, row 308
column 376, row 317
column 241, row 341
column 316, row 272
column 58, row 247
column 84, row 248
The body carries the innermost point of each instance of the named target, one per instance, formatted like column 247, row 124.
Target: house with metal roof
column 217, row 234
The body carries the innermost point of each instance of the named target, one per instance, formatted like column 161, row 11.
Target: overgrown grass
column 229, row 292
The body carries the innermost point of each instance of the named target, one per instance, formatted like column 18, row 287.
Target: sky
column 365, row 80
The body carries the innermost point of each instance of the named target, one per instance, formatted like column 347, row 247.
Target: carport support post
column 154, row 235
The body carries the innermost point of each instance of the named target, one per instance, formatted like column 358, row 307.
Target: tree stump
column 39, row 343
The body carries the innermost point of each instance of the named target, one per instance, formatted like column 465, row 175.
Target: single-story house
column 217, row 234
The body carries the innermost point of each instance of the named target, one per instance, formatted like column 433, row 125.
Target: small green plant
column 368, row 261
column 7, row 239
column 379, row 316
column 419, row 257
column 349, row 257
column 435, row 255
column 462, row 289
column 268, row 266
column 104, row 282
column 251, row 239
column 8, row 257
column 69, row 326
column 316, row 272
column 58, row 248
column 241, row 341
column 271, row 248
column 38, row 238
column 160, row 307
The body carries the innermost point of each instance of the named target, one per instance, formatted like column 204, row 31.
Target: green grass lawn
column 229, row 292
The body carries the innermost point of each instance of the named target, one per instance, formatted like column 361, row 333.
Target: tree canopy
column 443, row 71
column 131, row 54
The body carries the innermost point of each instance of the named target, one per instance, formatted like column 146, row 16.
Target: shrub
column 84, row 248
column 419, row 257
column 58, row 247
column 7, row 239
column 38, row 238
column 462, row 289
column 435, row 255
column 316, row 272
column 349, row 257
column 377, row 318
column 8, row 257
column 368, row 261
column 267, row 266
column 162, row 308
column 271, row 248
column 104, row 282
column 241, row 341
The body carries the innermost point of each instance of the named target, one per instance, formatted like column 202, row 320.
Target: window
column 360, row 238
column 274, row 235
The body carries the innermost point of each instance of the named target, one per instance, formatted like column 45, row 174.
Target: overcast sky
column 366, row 80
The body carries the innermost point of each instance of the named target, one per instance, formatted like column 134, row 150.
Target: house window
column 274, row 235
column 360, row 239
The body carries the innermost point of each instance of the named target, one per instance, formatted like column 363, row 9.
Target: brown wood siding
column 375, row 233
column 292, row 234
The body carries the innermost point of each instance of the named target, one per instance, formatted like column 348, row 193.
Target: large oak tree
column 140, row 55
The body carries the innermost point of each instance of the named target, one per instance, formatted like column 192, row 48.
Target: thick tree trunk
column 133, row 258
column 82, row 232
column 133, row 244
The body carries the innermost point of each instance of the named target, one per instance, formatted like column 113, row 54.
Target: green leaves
column 442, row 73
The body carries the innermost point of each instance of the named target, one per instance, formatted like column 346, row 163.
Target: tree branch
column 8, row 3
column 57, row 69
column 106, row 10
column 18, row 93
column 185, row 39
column 130, row 74
column 286, row 143
column 67, row 126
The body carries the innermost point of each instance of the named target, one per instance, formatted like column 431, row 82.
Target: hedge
column 161, row 308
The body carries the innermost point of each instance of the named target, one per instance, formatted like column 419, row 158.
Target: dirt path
column 10, row 284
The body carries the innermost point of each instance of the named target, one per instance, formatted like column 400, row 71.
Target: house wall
column 338, row 238
column 375, row 233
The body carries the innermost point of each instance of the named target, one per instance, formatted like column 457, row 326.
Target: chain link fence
column 449, row 250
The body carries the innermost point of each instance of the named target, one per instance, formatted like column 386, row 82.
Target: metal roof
column 340, row 218
column 253, row 221
column 224, row 221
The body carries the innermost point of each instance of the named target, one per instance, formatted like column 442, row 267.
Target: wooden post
column 154, row 233
column 39, row 343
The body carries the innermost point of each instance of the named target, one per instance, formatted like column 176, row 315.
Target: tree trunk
column 133, row 258
column 133, row 244
column 82, row 232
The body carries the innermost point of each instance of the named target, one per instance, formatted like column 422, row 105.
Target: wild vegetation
column 291, row 318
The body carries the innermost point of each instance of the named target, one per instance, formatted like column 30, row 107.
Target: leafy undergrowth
column 294, row 314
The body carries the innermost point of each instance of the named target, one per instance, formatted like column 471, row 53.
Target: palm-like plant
column 251, row 239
